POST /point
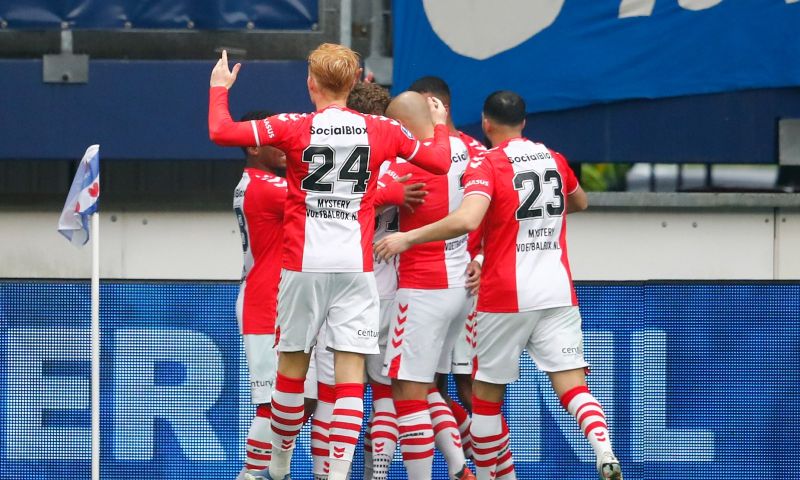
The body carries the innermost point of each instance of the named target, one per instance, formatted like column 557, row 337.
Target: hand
column 221, row 75
column 473, row 277
column 414, row 194
column 392, row 245
column 438, row 112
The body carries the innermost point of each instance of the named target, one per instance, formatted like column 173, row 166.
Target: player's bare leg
column 570, row 386
column 288, row 405
column 348, row 412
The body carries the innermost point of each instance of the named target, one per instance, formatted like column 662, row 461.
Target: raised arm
column 222, row 130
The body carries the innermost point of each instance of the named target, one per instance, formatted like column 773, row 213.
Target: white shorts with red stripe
column 345, row 302
column 418, row 335
column 262, row 366
column 457, row 354
column 552, row 337
column 375, row 362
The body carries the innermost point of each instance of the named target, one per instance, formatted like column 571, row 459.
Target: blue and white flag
column 82, row 198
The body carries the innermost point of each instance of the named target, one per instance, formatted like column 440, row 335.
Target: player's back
column 332, row 169
column 526, row 265
column 439, row 264
column 258, row 203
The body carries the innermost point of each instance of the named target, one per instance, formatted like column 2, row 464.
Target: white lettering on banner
column 651, row 440
column 139, row 401
column 30, row 393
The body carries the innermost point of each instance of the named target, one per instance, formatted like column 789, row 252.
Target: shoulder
column 473, row 145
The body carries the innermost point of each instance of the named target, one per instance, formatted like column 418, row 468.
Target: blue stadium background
column 174, row 396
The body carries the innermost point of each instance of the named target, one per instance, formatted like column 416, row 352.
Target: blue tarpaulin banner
column 698, row 381
column 162, row 14
column 561, row 54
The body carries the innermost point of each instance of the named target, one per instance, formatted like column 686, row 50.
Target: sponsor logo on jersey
column 405, row 130
column 339, row 130
column 477, row 181
column 270, row 130
column 572, row 350
column 530, row 158
column 460, row 157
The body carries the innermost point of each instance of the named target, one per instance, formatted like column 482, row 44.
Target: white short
column 553, row 338
column 461, row 359
column 262, row 366
column 347, row 303
column 419, row 340
column 375, row 362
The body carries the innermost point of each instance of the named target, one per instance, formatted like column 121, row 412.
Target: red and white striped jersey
column 258, row 202
column 442, row 264
column 386, row 223
column 525, row 248
column 332, row 160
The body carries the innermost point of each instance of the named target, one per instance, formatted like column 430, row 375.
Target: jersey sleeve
column 479, row 178
column 433, row 156
column 390, row 191
column 224, row 131
column 567, row 175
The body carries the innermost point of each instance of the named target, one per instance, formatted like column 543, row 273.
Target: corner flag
column 82, row 198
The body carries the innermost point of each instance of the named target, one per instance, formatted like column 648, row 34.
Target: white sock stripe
column 580, row 400
column 592, row 419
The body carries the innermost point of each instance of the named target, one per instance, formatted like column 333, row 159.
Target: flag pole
column 96, row 346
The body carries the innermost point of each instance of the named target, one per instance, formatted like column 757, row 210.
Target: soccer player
column 258, row 203
column 326, row 273
column 527, row 300
column 432, row 304
column 461, row 364
column 382, row 426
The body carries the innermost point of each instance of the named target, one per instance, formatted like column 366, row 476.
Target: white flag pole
column 96, row 346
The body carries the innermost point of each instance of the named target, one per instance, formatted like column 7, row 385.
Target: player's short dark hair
column 255, row 115
column 505, row 107
column 436, row 86
column 368, row 98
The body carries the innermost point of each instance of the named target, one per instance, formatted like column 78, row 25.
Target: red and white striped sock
column 446, row 434
column 348, row 413
column 320, row 426
column 487, row 437
column 287, row 419
column 505, row 461
column 383, row 430
column 582, row 405
column 464, row 421
column 416, row 437
column 259, row 450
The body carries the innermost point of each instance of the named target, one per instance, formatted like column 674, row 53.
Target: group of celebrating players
column 364, row 263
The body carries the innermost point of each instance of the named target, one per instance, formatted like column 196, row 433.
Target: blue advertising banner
column 697, row 380
column 162, row 14
column 562, row 54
